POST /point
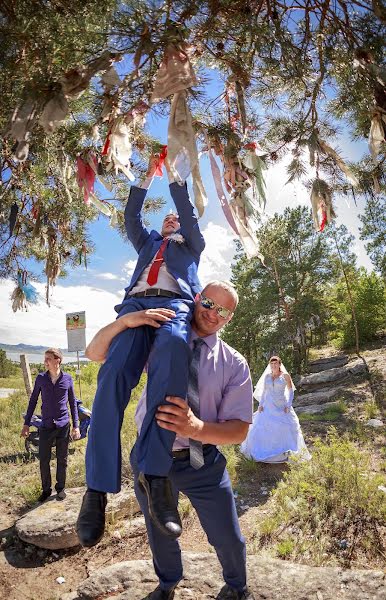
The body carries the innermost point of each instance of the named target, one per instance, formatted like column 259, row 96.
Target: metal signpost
column 76, row 338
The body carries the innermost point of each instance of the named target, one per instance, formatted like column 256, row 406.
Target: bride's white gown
column 274, row 435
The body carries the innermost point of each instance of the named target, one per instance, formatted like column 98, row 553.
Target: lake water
column 39, row 358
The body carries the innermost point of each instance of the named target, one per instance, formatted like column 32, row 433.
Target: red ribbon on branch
column 160, row 161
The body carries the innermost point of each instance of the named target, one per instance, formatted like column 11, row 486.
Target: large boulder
column 268, row 579
column 52, row 525
column 315, row 409
column 341, row 374
column 320, row 397
column 323, row 364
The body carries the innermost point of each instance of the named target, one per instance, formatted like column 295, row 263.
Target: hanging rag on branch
column 321, row 201
column 217, row 180
column 24, row 293
column 175, row 76
column 87, row 168
column 118, row 149
column 377, row 134
column 182, row 149
column 242, row 205
column 326, row 149
column 52, row 106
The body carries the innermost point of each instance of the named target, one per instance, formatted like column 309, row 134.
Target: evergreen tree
column 292, row 73
column 373, row 231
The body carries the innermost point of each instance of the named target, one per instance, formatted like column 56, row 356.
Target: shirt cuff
column 146, row 183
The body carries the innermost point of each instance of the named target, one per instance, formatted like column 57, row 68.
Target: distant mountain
column 26, row 348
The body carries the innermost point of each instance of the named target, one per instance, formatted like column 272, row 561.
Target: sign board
column 76, row 331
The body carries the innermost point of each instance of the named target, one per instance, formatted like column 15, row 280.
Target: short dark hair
column 56, row 353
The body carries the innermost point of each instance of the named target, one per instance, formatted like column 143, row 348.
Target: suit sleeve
column 73, row 404
column 188, row 220
column 135, row 229
column 32, row 402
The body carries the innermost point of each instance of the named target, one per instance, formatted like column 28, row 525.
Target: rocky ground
column 40, row 550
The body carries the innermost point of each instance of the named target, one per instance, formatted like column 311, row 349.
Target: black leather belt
column 155, row 292
column 185, row 452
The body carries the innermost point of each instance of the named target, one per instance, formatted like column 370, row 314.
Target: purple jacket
column 54, row 401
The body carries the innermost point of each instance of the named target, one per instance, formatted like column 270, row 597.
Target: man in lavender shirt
column 225, row 392
column 56, row 389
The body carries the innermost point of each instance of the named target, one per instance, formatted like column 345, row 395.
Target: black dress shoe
column 90, row 525
column 162, row 507
column 44, row 495
column 160, row 594
column 229, row 593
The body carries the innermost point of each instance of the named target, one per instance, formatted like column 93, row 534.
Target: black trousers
column 59, row 437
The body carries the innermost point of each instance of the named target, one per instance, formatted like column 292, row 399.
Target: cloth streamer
column 377, row 135
column 219, row 189
column 174, row 75
column 86, row 175
column 321, row 201
column 118, row 149
column 181, row 139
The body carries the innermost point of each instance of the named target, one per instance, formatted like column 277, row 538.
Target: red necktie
column 155, row 267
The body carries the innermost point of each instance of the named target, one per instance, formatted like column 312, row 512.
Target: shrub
column 333, row 504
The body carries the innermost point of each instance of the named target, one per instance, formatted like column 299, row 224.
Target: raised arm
column 135, row 229
column 99, row 345
column 188, row 220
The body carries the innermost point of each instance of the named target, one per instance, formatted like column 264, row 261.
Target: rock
column 318, row 397
column 331, row 362
column 52, row 525
column 374, row 423
column 352, row 369
column 135, row 527
column 268, row 578
column 315, row 409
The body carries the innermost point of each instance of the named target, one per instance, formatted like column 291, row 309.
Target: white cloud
column 43, row 325
column 108, row 276
column 218, row 254
column 128, row 268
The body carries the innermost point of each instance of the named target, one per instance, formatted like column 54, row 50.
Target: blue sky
column 100, row 287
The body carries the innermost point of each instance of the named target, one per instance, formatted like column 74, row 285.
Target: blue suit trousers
column 167, row 352
column 210, row 492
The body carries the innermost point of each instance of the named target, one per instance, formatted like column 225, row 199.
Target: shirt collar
column 210, row 340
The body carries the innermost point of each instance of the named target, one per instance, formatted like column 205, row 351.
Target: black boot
column 160, row 594
column 229, row 593
column 90, row 525
column 44, row 496
column 162, row 507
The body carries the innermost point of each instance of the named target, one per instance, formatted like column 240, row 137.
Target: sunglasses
column 222, row 312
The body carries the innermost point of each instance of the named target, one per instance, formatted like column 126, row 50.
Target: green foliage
column 333, row 413
column 282, row 308
column 7, row 368
column 369, row 295
column 373, row 231
column 331, row 498
column 284, row 60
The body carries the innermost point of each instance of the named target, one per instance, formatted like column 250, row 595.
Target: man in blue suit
column 165, row 277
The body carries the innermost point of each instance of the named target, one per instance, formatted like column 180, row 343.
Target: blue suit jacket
column 181, row 259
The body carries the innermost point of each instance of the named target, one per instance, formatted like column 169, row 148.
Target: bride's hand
column 286, row 409
column 261, row 408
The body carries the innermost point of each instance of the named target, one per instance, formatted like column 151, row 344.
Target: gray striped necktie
column 196, row 454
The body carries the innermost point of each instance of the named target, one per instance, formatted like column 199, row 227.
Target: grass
column 321, row 502
column 20, row 476
column 333, row 413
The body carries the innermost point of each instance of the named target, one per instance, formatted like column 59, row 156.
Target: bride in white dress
column 275, row 435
